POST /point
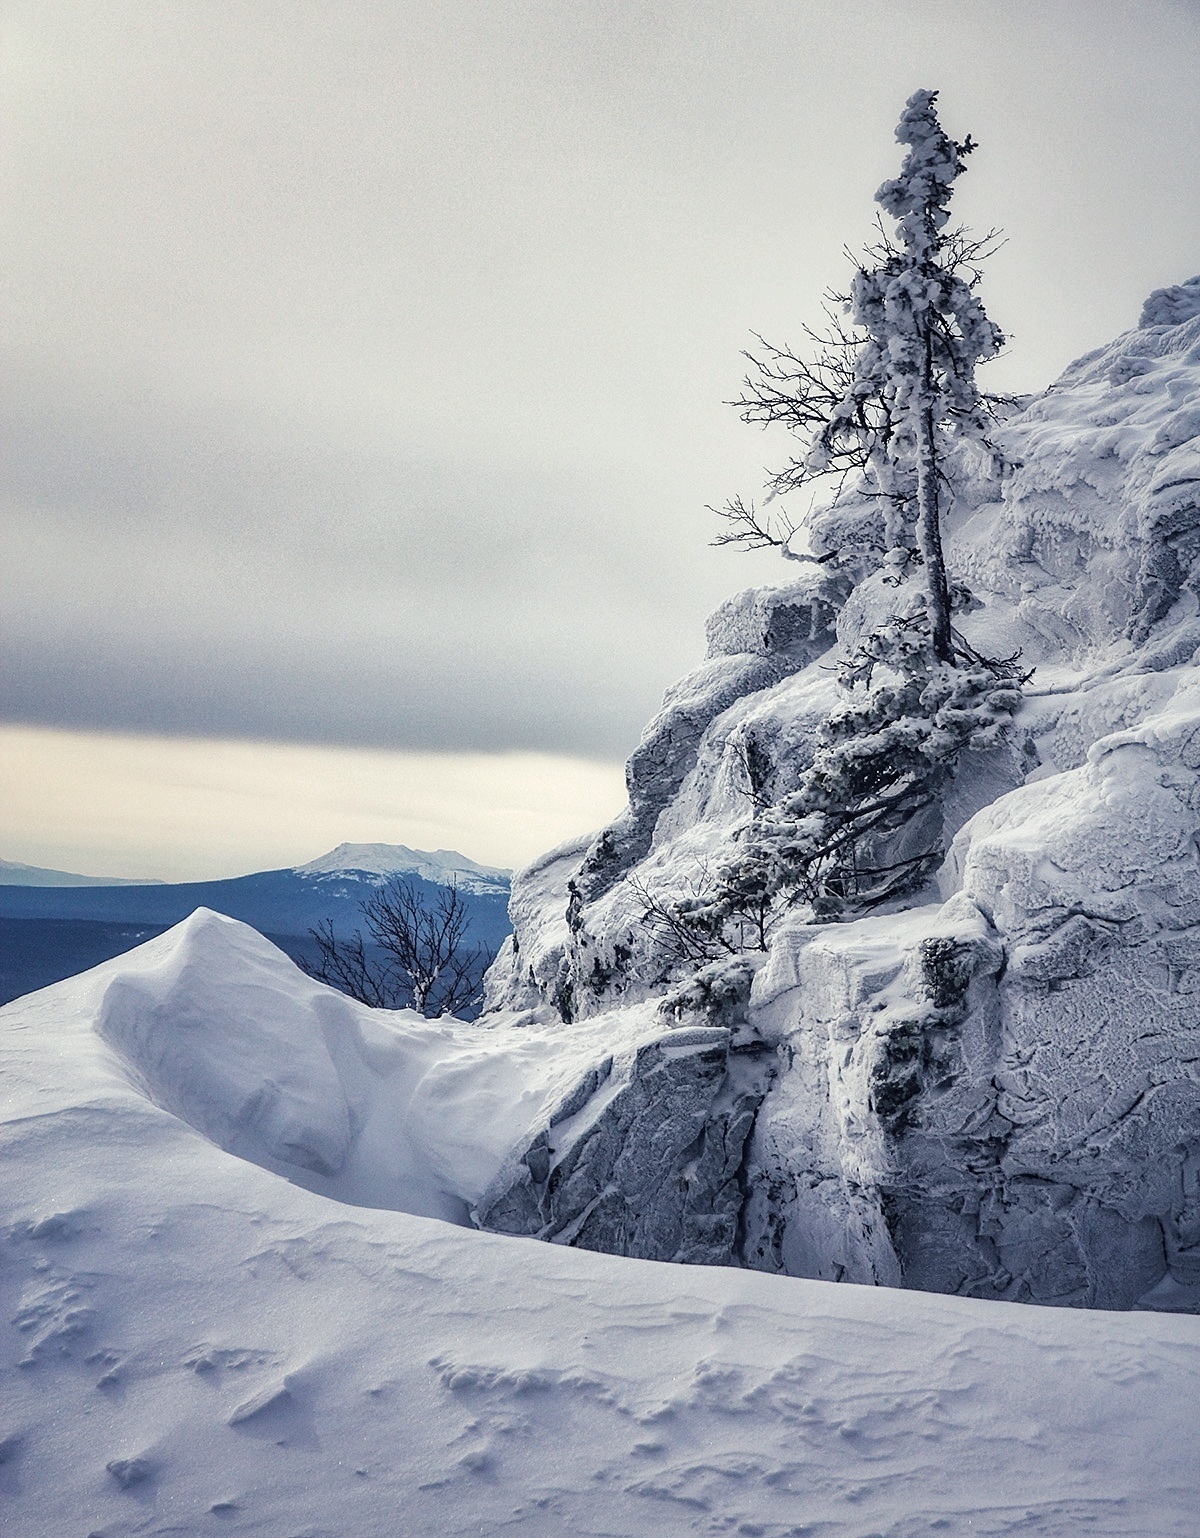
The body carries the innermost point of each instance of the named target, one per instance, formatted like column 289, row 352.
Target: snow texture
column 373, row 1108
column 193, row 1342
column 1172, row 306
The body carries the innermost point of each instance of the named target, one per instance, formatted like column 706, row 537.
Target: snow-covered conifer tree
column 928, row 330
column 893, row 395
column 892, row 399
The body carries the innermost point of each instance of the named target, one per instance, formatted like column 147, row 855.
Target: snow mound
column 214, row 1025
column 191, row 1342
column 445, row 867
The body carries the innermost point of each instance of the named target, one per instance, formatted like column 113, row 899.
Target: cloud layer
column 364, row 380
column 182, row 810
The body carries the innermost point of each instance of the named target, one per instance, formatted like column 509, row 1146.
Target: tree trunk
column 929, row 530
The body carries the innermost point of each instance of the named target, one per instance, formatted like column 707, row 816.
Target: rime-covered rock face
column 996, row 1090
column 643, row 1157
column 1098, row 533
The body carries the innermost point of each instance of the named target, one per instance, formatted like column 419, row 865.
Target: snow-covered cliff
column 992, row 1088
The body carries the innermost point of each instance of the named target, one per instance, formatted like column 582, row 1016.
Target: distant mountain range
column 13, row 873
column 51, row 929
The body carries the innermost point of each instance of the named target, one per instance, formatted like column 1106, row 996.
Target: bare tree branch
column 750, row 529
column 423, row 963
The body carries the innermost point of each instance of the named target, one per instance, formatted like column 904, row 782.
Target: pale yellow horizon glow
column 183, row 809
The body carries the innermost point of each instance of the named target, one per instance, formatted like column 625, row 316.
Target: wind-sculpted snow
column 997, row 1090
column 166, row 1015
column 624, row 1135
column 190, row 1342
column 1098, row 533
column 214, row 1025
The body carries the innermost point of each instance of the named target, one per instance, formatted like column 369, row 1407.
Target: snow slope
column 194, row 1342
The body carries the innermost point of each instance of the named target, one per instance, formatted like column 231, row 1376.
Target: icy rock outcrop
column 754, row 640
column 1098, row 532
column 996, row 1093
column 530, row 970
column 1092, row 880
column 642, row 1158
column 877, row 1022
column 1172, row 306
column 697, row 761
column 1003, row 1109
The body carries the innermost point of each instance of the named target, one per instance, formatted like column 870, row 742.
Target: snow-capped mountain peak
column 444, row 866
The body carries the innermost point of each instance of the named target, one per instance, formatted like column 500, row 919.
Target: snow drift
column 192, row 1341
column 213, row 1024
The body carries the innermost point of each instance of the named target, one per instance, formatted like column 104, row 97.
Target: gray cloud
column 189, row 572
column 364, row 381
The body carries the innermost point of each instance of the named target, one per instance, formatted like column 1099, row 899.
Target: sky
column 364, row 372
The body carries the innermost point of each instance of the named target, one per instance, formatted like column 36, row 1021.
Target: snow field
column 193, row 1343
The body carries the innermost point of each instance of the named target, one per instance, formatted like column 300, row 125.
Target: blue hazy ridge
column 48, row 933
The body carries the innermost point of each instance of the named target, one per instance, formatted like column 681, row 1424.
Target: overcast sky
column 364, row 363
